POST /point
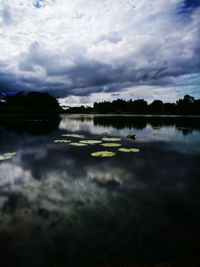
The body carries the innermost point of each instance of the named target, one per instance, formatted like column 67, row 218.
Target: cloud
column 147, row 92
column 83, row 48
column 6, row 14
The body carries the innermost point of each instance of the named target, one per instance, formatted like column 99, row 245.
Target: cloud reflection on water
column 140, row 207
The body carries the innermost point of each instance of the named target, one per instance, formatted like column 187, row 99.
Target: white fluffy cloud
column 82, row 47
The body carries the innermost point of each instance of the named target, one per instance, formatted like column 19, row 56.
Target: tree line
column 187, row 105
column 31, row 103
column 44, row 103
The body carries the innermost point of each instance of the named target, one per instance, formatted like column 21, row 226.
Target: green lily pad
column 90, row 142
column 110, row 145
column 129, row 150
column 74, row 135
column 77, row 144
column 103, row 154
column 62, row 141
column 7, row 156
column 111, row 139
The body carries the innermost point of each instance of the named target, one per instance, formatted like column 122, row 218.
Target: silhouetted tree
column 137, row 106
column 34, row 102
column 156, row 106
column 185, row 105
column 169, row 108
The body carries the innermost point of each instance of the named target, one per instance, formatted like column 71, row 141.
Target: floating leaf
column 110, row 145
column 103, row 154
column 77, row 144
column 91, row 142
column 129, row 150
column 62, row 141
column 111, row 139
column 7, row 156
column 74, row 135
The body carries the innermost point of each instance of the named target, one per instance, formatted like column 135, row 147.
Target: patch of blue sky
column 38, row 3
column 188, row 6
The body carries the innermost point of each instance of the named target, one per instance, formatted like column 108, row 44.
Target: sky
column 83, row 51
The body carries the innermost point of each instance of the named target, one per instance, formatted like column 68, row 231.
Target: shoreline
column 134, row 115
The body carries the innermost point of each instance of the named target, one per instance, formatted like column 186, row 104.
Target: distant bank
column 186, row 106
column 43, row 104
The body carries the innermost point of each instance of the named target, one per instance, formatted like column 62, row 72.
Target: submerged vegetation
column 187, row 105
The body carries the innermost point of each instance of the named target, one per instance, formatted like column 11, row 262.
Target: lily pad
column 110, row 145
column 77, row 144
column 111, row 139
column 129, row 150
column 62, row 141
column 74, row 135
column 103, row 154
column 7, row 156
column 90, row 142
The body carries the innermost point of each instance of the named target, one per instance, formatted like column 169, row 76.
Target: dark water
column 61, row 207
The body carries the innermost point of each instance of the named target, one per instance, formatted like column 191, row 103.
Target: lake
column 61, row 206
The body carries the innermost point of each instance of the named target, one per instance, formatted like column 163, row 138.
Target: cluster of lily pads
column 7, row 156
column 107, row 142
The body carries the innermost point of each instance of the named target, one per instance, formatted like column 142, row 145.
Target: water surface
column 61, row 207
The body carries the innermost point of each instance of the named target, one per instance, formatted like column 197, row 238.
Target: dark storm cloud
column 8, row 81
column 88, row 75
